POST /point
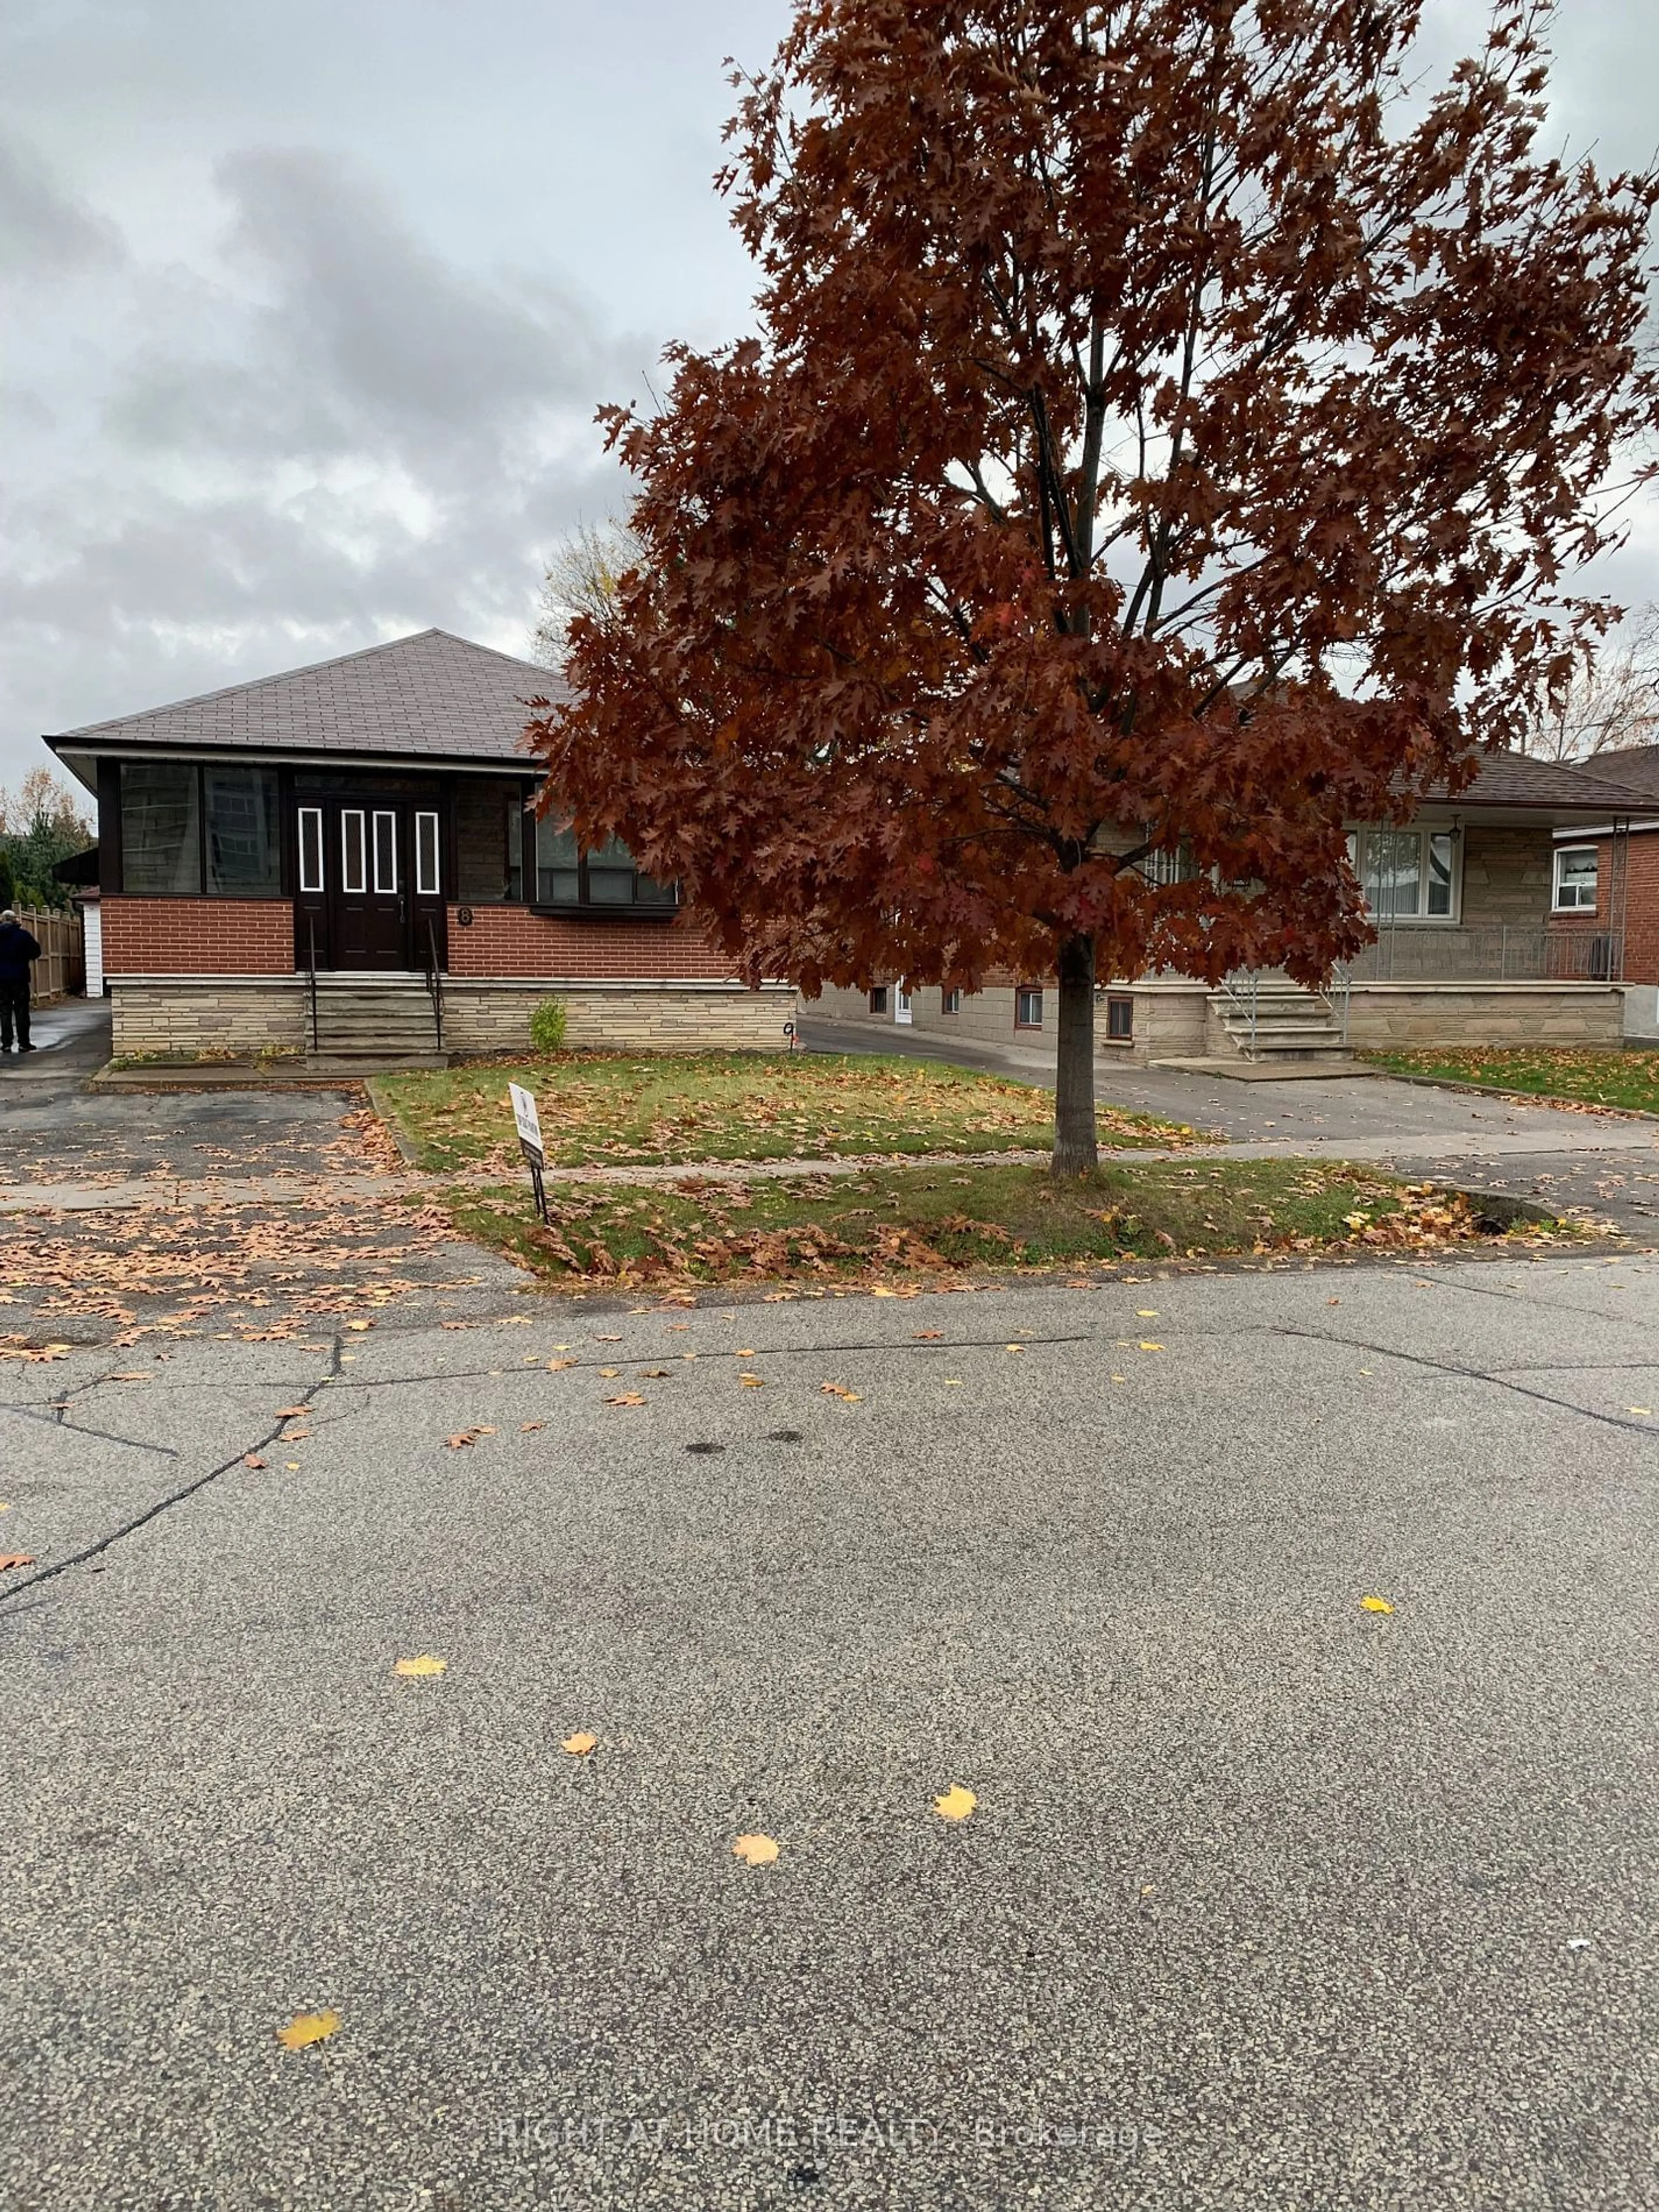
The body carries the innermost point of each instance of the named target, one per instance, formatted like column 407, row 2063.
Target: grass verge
column 658, row 1109
column 1612, row 1077
column 885, row 1221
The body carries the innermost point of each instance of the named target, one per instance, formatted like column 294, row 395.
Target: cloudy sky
column 305, row 310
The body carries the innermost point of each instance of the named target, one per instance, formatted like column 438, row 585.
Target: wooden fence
column 62, row 967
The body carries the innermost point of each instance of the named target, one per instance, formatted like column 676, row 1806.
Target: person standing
column 18, row 948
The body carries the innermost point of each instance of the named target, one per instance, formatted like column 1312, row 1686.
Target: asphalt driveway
column 1268, row 1898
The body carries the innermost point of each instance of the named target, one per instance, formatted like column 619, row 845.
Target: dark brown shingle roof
column 431, row 694
column 1636, row 768
column 1515, row 779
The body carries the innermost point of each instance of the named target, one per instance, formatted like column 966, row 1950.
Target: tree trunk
column 1075, row 1149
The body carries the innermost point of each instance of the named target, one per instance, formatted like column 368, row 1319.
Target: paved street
column 1275, row 1900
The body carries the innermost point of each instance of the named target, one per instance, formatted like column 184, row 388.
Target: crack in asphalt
column 53, row 1419
column 174, row 1498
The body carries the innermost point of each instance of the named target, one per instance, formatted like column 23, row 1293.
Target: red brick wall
column 1641, row 904
column 198, row 937
column 511, row 940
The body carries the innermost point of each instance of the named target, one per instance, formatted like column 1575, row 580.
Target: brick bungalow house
column 1606, row 875
column 345, row 861
column 1470, row 946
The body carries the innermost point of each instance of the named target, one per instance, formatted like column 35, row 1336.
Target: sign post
column 528, row 1122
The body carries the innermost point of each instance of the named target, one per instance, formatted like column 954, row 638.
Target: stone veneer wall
column 1407, row 1015
column 189, row 1014
column 493, row 1016
column 242, row 1014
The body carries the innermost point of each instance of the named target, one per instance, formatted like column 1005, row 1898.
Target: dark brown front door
column 370, row 888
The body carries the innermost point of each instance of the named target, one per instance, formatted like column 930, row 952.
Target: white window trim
column 353, row 880
column 427, row 882
column 382, row 888
column 311, row 818
column 1557, row 904
column 1422, row 831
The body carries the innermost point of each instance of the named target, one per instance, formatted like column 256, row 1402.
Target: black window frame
column 112, row 797
column 584, row 908
column 879, row 999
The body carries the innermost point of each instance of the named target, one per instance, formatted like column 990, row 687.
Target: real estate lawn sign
column 528, row 1122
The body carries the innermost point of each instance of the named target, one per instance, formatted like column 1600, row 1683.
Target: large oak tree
column 1171, row 436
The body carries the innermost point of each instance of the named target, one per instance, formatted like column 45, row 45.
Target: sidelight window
column 354, row 850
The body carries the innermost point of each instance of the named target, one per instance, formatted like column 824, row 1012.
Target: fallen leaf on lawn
column 579, row 1744
column 425, row 1665
column 1375, row 1605
column 10, row 1559
column 755, row 1850
column 625, row 1398
column 883, row 1291
column 956, row 1804
column 253, row 1460
column 927, row 1335
column 307, row 2028
column 752, row 1382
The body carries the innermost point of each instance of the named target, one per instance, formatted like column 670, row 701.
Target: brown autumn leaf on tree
column 1172, row 434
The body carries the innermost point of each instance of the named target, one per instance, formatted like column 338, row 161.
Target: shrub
column 547, row 1025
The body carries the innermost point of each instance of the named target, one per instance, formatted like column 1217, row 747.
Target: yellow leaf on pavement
column 1145, row 1313
column 1147, row 1345
column 625, row 1398
column 1015, row 1347
column 579, row 1744
column 425, row 1665
column 307, row 2028
column 956, row 1804
column 755, row 1850
column 1375, row 1605
column 359, row 1326
column 752, row 1382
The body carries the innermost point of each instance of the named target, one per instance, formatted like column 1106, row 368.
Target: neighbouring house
column 1606, row 872
column 1470, row 946
column 346, row 861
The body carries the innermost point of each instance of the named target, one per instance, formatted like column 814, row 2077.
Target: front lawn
column 933, row 1221
column 1610, row 1078
column 612, row 1110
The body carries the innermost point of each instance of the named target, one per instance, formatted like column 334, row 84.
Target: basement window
column 949, row 1002
column 879, row 999
column 1119, row 1020
column 1027, row 1006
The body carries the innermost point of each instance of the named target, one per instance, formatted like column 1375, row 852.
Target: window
column 1119, row 1020
column 162, row 827
column 489, row 841
column 1574, row 878
column 311, row 848
column 354, row 851
column 1028, row 1007
column 1163, row 866
column 949, row 1002
column 607, row 879
column 244, row 854
column 1406, row 875
column 427, row 878
column 879, row 999
column 385, row 852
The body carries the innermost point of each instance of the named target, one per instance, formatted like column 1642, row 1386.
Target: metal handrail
column 311, row 928
column 434, row 981
column 1248, row 1004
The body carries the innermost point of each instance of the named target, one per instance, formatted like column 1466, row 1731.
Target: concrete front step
column 368, row 1062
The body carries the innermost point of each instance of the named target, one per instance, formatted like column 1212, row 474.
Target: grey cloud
column 44, row 231
column 393, row 327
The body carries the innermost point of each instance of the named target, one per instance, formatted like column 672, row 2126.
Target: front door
column 370, row 890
